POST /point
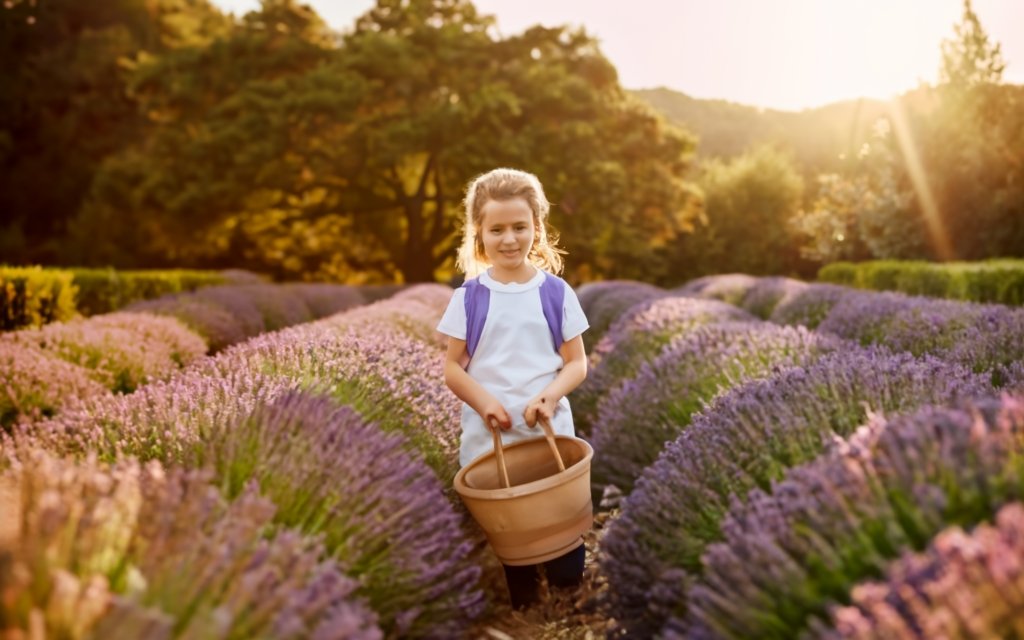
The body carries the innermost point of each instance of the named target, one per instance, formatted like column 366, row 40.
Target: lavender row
column 965, row 585
column 638, row 417
column 604, row 302
column 133, row 550
column 787, row 555
column 636, row 338
column 744, row 441
column 230, row 314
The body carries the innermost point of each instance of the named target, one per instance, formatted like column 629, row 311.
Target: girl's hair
column 505, row 184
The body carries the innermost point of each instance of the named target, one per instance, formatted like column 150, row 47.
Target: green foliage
column 361, row 148
column 105, row 290
column 32, row 296
column 748, row 204
column 1000, row 281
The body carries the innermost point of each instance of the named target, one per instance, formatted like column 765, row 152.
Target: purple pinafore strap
column 478, row 300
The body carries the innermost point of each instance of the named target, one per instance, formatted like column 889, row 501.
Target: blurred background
column 331, row 141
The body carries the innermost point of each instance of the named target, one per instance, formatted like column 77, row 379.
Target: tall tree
column 279, row 132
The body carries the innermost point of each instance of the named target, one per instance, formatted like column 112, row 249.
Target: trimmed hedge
column 999, row 281
column 104, row 290
column 32, row 297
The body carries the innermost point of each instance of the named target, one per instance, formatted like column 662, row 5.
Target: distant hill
column 816, row 137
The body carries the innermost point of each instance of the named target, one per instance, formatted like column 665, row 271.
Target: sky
column 779, row 54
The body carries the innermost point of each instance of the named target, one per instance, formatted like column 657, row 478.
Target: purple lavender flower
column 325, row 300
column 383, row 513
column 745, row 440
column 212, row 321
column 965, row 585
column 768, row 293
column 120, row 350
column 606, row 301
column 728, row 287
column 840, row 519
column 638, row 417
column 35, row 384
column 809, row 306
column 637, row 337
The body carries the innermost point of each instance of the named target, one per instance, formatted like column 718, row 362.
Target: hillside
column 816, row 137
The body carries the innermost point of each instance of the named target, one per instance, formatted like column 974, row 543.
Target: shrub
column 106, row 290
column 121, row 351
column 809, row 306
column 746, row 440
column 325, row 300
column 636, row 420
column 32, row 297
column 143, row 551
column 841, row 272
column 836, row 521
column 218, row 326
column 637, row 337
column 762, row 298
column 36, row 384
column 382, row 512
column 964, row 586
column 728, row 287
column 606, row 304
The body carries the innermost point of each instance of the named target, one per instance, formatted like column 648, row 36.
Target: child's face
column 506, row 227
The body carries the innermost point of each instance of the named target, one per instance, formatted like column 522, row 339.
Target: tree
column 749, row 202
column 378, row 134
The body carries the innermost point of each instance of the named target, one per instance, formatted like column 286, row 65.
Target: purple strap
column 478, row 300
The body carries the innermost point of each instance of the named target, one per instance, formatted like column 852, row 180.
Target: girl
column 526, row 357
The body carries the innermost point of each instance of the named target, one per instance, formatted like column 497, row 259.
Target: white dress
column 515, row 358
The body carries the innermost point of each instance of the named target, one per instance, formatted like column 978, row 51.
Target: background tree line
column 150, row 133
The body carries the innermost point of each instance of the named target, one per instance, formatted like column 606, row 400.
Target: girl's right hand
column 495, row 416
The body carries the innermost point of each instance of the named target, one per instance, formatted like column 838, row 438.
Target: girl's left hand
column 539, row 407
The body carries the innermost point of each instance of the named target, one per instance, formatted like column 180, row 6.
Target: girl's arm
column 574, row 371
column 469, row 390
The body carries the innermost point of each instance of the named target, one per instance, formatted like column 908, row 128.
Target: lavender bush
column 637, row 337
column 809, row 306
column 840, row 519
column 120, row 350
column 108, row 551
column 35, row 384
column 730, row 287
column 637, row 418
column 218, row 326
column 382, row 512
column 768, row 293
column 388, row 376
column 606, row 304
column 745, row 440
column 325, row 300
column 964, row 586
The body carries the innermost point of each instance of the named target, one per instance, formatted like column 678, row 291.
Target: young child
column 517, row 371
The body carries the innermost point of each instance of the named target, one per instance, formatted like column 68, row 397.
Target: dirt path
column 564, row 616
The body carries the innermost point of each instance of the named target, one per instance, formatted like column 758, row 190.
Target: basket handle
column 499, row 452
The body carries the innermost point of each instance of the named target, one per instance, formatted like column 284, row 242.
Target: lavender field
column 777, row 460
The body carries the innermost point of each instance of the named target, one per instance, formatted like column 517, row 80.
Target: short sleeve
column 574, row 322
column 453, row 322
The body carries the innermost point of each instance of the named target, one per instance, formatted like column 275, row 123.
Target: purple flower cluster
column 902, row 323
column 729, row 287
column 745, row 440
column 604, row 302
column 391, row 377
column 636, row 337
column 120, row 350
column 964, row 586
column 768, row 293
column 381, row 510
column 841, row 519
column 809, row 306
column 36, row 384
column 638, row 417
column 112, row 551
column 228, row 314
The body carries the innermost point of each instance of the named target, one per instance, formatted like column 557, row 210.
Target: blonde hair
column 506, row 184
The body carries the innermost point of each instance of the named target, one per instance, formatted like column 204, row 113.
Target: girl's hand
column 495, row 416
column 539, row 407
